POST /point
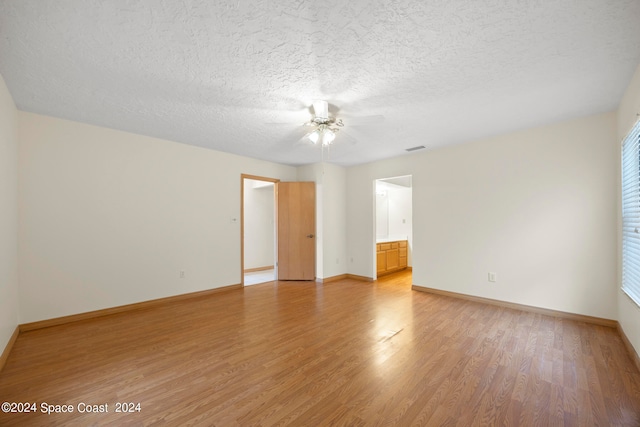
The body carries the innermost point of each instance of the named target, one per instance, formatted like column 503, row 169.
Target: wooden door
column 296, row 240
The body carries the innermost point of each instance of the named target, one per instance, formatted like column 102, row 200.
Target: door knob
column 310, row 236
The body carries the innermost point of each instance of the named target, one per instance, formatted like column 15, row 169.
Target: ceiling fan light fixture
column 328, row 137
column 314, row 136
column 325, row 127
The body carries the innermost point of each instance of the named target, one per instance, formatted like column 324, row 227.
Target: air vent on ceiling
column 419, row 147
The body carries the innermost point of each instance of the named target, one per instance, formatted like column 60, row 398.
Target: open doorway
column 258, row 230
column 394, row 224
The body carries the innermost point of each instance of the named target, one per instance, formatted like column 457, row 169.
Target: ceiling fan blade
column 283, row 124
column 363, row 120
column 343, row 136
column 293, row 124
column 304, row 140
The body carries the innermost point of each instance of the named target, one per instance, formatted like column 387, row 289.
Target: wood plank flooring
column 343, row 353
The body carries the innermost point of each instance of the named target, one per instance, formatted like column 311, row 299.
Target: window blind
column 631, row 214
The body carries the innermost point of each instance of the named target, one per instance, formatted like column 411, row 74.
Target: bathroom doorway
column 394, row 225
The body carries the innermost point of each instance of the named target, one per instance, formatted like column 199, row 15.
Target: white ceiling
column 226, row 75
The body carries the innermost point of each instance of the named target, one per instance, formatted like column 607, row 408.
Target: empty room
column 299, row 213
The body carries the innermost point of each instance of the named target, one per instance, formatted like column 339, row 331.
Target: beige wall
column 334, row 196
column 361, row 227
column 628, row 311
column 8, row 216
column 331, row 232
column 537, row 207
column 110, row 218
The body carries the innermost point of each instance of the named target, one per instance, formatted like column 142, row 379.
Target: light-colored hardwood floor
column 343, row 353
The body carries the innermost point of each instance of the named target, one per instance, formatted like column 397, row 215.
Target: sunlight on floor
column 259, row 277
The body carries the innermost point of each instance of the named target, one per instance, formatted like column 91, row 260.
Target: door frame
column 255, row 178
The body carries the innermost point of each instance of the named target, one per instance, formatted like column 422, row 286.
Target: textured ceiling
column 238, row 76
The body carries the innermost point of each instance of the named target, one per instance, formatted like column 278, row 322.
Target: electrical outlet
column 182, row 274
column 492, row 277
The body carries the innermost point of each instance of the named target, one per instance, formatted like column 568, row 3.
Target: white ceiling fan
column 325, row 125
column 324, row 122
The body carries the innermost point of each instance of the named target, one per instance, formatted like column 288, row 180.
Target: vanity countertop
column 391, row 239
